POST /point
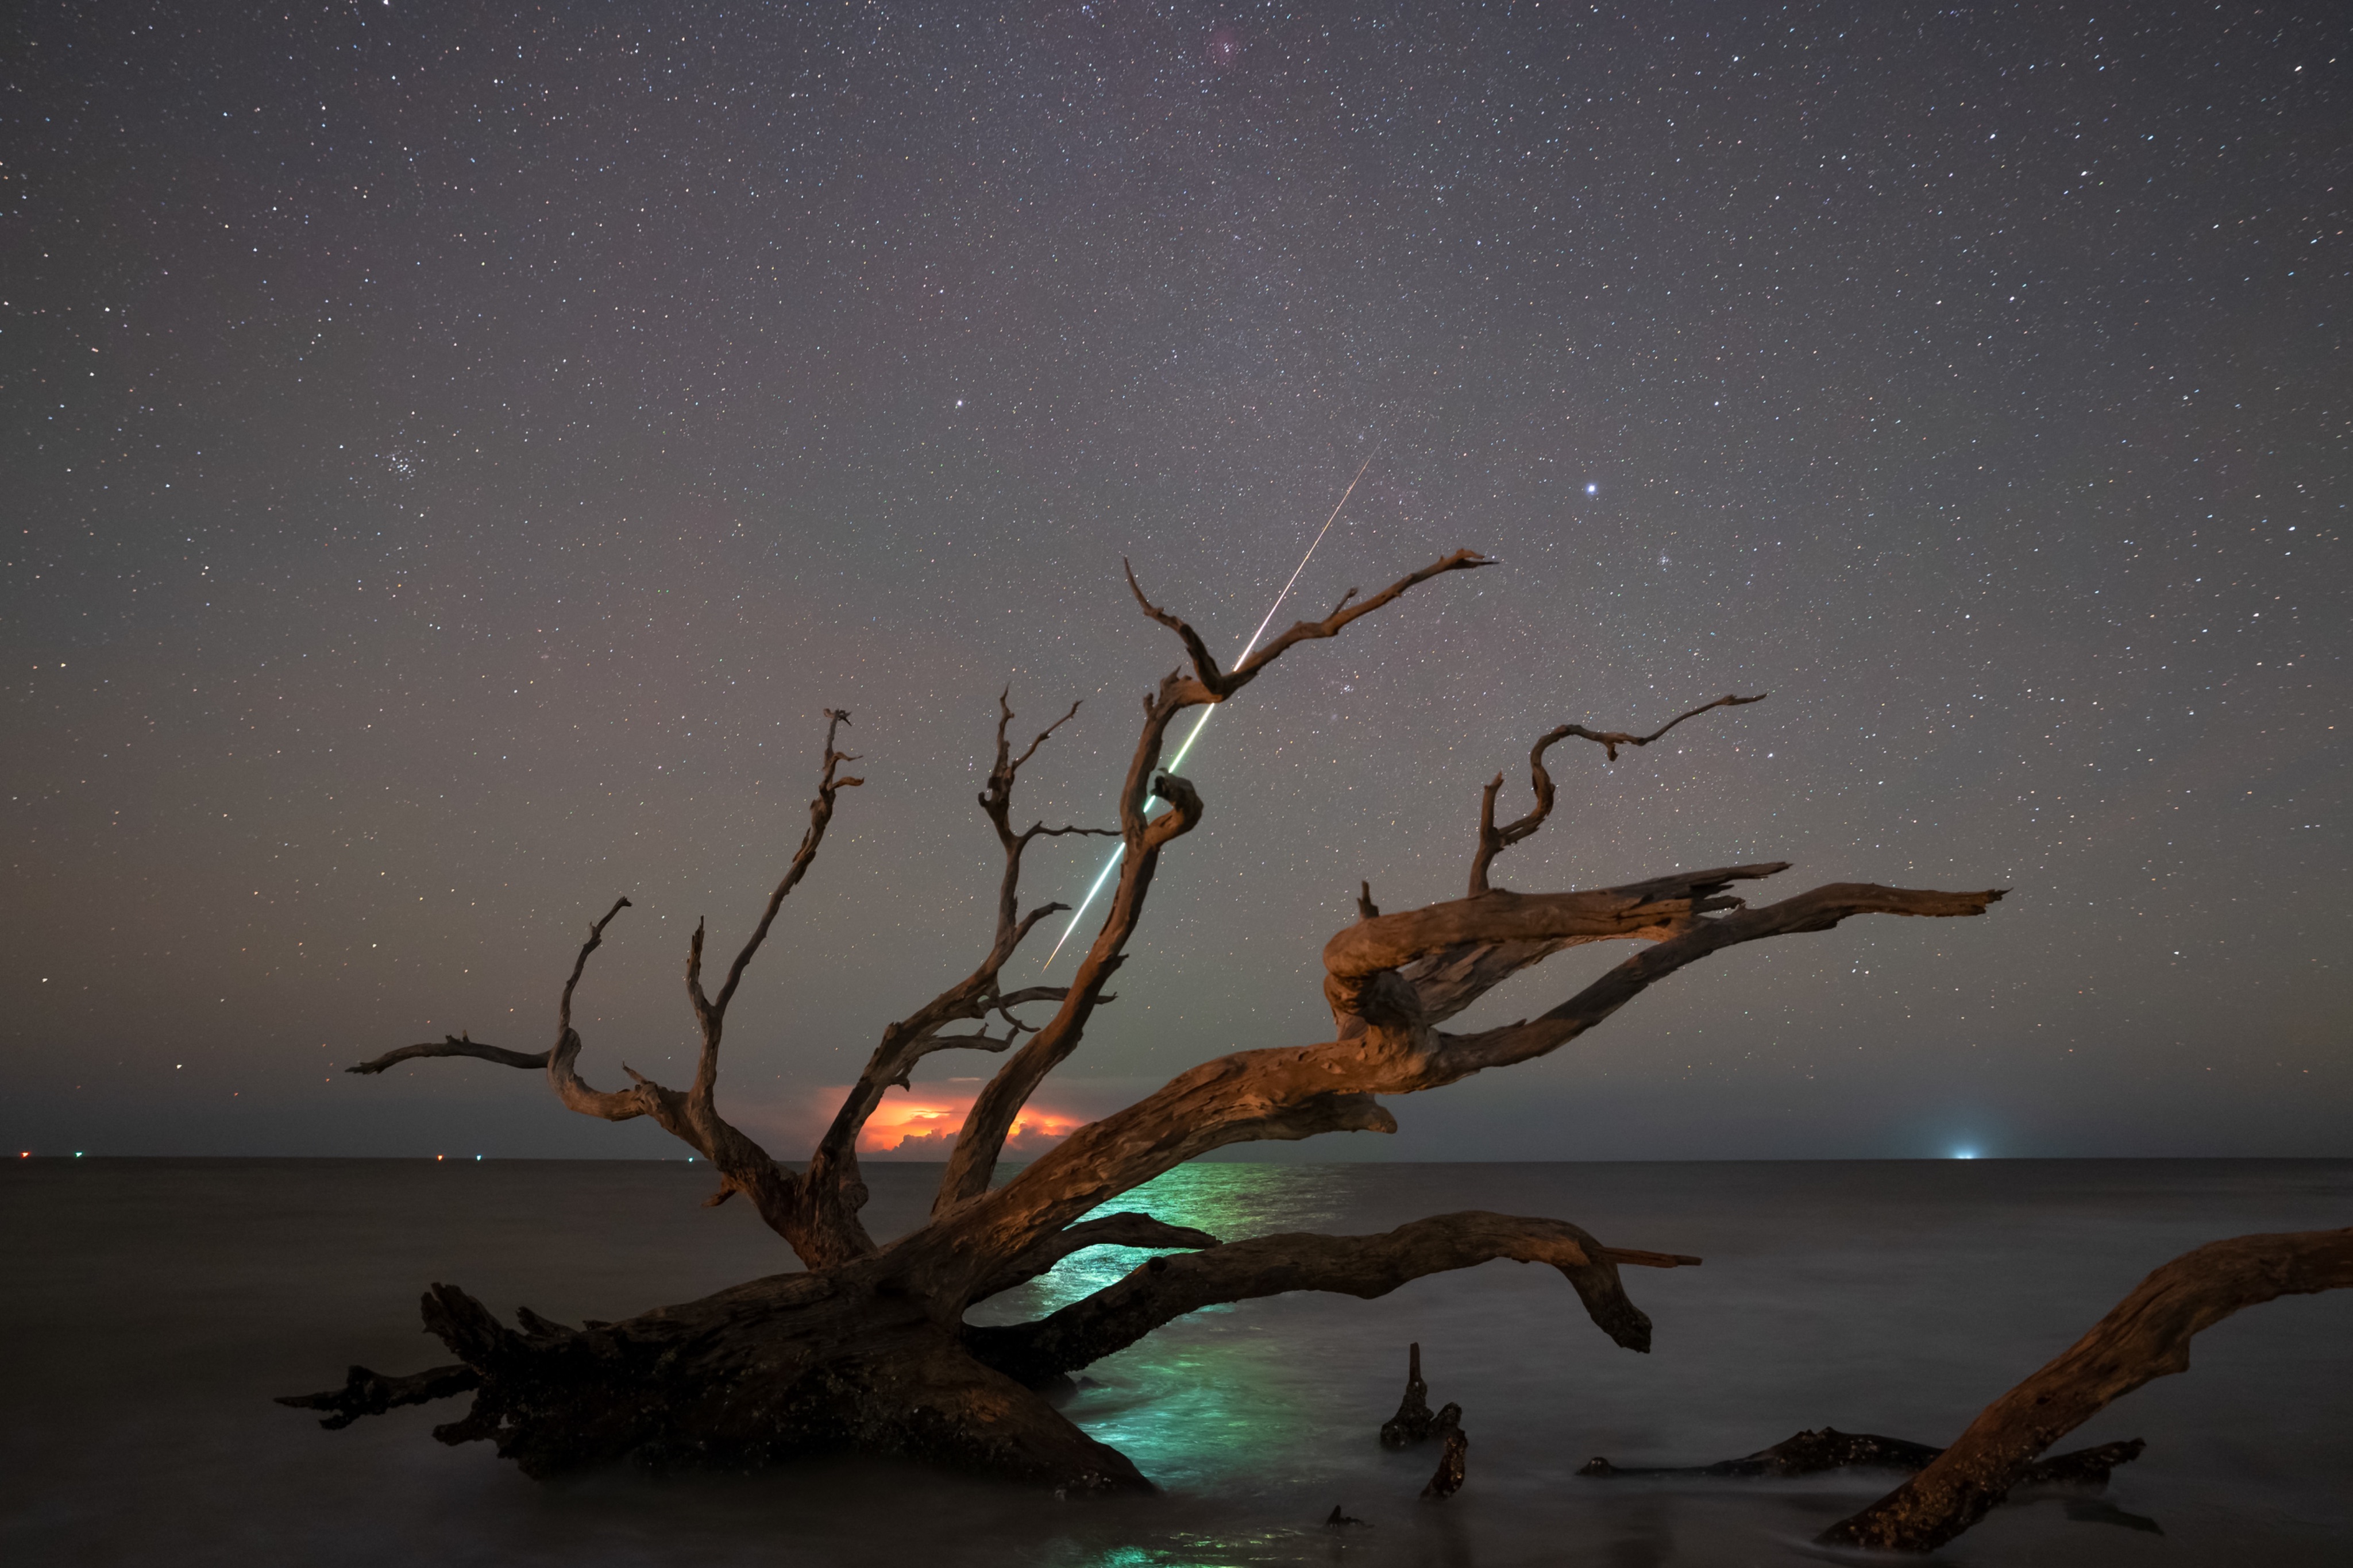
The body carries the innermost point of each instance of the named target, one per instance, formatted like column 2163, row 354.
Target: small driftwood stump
column 1448, row 1480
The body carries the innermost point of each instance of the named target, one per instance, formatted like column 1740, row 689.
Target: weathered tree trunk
column 2147, row 1335
column 867, row 1348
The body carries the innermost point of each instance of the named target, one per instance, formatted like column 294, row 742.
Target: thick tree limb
column 1660, row 906
column 1167, row 1287
column 1494, row 841
column 1386, row 1046
column 979, row 1145
column 1457, row 1056
column 2145, row 1336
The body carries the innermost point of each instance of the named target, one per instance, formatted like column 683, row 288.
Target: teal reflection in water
column 1232, row 1203
column 1195, row 1403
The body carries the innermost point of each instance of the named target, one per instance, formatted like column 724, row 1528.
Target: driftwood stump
column 1412, row 1421
column 1448, row 1480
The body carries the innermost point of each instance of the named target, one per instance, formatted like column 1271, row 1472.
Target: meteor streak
column 1199, row 724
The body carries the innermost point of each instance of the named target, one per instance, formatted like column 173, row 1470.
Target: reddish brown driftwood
column 2145, row 1336
column 867, row 1348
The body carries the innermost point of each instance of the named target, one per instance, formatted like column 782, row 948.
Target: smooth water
column 153, row 1306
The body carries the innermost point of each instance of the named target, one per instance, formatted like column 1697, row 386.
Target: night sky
column 454, row 454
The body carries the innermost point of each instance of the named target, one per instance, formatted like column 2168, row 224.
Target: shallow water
column 153, row 1306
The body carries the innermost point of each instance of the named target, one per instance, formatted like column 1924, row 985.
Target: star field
column 453, row 459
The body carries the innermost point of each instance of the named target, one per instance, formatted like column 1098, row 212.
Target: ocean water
column 151, row 1308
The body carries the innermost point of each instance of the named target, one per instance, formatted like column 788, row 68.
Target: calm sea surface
column 153, row 1306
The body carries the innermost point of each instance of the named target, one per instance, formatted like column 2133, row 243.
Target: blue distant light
column 1965, row 1153
column 1593, row 489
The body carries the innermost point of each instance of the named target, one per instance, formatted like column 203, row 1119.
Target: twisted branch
column 833, row 1190
column 1164, row 1288
column 1387, row 1046
column 692, row 1116
column 982, row 1141
column 1494, row 841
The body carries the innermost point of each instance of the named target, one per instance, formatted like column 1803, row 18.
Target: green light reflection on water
column 1202, row 1401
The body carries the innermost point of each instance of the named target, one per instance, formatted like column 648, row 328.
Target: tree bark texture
column 2147, row 1335
column 866, row 1347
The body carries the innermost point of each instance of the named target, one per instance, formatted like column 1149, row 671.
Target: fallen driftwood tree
column 867, row 1347
column 2145, row 1336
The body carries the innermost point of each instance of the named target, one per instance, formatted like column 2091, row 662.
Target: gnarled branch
column 1494, row 841
column 833, row 1189
column 1164, row 1288
column 1386, row 1046
column 463, row 1045
column 982, row 1142
column 453, row 1046
column 2147, row 1335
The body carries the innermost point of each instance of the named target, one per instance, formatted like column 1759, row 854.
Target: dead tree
column 2145, row 1335
column 866, row 1348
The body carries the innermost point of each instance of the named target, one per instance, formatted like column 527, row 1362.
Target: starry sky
column 454, row 454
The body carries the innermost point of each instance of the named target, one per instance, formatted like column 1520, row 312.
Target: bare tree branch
column 454, row 1045
column 982, row 1142
column 2147, row 1335
column 1820, row 910
column 462, row 1046
column 1218, row 685
column 1164, row 1288
column 833, row 1190
column 1494, row 841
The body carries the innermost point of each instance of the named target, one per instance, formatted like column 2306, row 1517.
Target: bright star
column 1592, row 489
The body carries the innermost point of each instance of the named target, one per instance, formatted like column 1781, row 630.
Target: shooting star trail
column 1202, row 722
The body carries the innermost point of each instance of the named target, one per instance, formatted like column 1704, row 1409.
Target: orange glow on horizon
column 924, row 1124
